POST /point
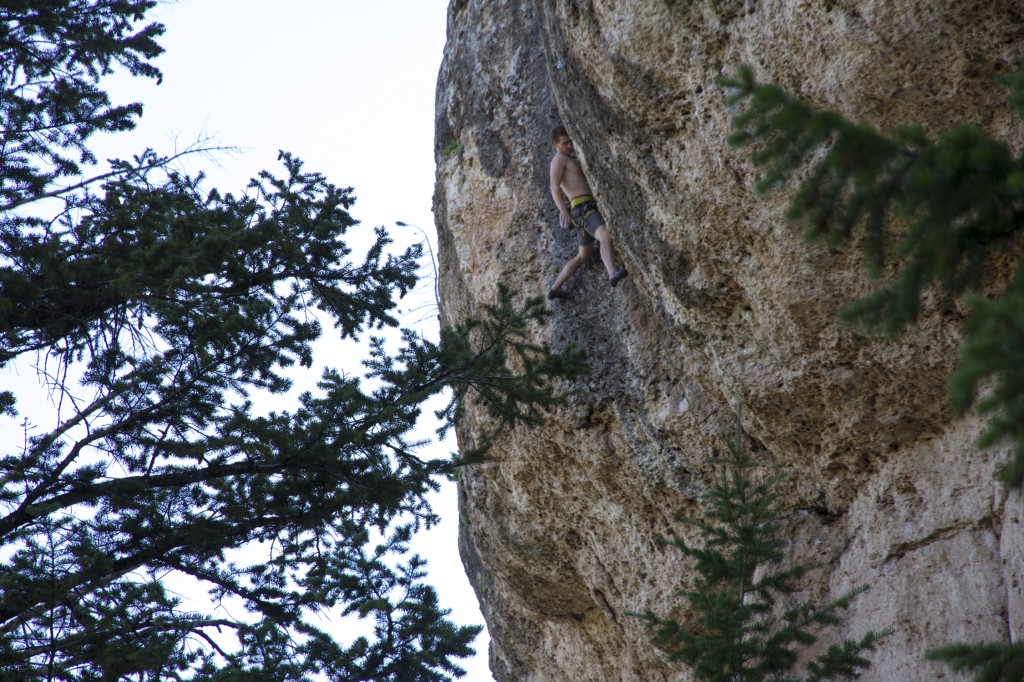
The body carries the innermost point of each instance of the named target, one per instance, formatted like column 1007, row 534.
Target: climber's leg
column 608, row 255
column 569, row 269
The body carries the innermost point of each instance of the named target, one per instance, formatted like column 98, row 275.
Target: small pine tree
column 738, row 635
column 960, row 200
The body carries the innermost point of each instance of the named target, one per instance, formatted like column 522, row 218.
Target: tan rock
column 725, row 303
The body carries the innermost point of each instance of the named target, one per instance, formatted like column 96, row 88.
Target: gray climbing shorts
column 586, row 218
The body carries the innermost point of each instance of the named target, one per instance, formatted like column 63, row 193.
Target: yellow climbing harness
column 581, row 207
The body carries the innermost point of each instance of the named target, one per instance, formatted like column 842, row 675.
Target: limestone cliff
column 725, row 303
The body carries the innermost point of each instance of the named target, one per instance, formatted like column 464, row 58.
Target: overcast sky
column 347, row 86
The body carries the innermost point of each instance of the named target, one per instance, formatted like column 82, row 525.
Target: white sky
column 345, row 85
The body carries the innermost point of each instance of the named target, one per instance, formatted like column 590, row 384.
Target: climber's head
column 561, row 140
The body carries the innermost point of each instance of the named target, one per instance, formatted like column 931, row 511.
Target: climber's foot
column 617, row 276
column 557, row 293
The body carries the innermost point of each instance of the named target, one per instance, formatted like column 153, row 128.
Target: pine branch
column 933, row 210
column 845, row 660
column 991, row 661
column 992, row 356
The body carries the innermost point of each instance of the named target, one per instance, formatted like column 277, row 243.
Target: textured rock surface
column 725, row 303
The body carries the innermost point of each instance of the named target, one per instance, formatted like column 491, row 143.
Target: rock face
column 725, row 304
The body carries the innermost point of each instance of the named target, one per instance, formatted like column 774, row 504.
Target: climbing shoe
column 553, row 294
column 617, row 276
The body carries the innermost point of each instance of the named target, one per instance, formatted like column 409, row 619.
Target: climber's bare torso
column 567, row 172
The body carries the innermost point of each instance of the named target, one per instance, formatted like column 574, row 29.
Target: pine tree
column 738, row 633
column 157, row 311
column 174, row 305
column 935, row 210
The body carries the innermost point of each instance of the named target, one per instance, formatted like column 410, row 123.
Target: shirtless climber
column 582, row 213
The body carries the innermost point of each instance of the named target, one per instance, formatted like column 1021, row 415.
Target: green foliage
column 176, row 305
column 994, row 662
column 54, row 53
column 451, row 148
column 494, row 364
column 934, row 211
column 737, row 633
column 158, row 312
column 992, row 356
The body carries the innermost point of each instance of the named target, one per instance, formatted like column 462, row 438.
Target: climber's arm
column 557, row 173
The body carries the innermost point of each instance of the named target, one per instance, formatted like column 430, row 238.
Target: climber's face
column 563, row 145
